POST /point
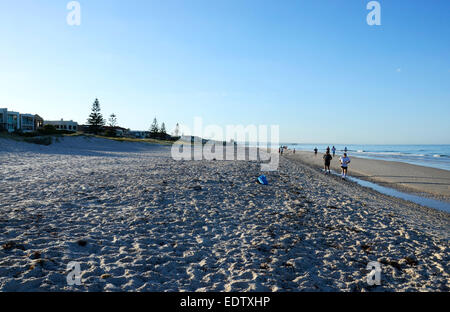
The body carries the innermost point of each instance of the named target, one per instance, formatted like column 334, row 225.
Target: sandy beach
column 412, row 178
column 137, row 220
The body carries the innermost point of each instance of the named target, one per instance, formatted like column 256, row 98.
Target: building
column 11, row 121
column 38, row 122
column 139, row 134
column 117, row 131
column 3, row 119
column 63, row 125
column 83, row 128
column 26, row 122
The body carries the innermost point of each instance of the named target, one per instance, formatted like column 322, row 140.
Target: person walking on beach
column 345, row 149
column 345, row 160
column 315, row 151
column 327, row 160
column 333, row 149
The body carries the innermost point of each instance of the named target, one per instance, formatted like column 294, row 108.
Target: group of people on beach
column 282, row 149
column 327, row 158
column 330, row 153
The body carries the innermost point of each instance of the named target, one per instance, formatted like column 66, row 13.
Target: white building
column 63, row 125
column 9, row 121
column 14, row 121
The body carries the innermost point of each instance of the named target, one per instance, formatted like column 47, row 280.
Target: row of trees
column 158, row 132
column 96, row 122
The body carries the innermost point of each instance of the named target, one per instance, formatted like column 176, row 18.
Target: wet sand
column 406, row 177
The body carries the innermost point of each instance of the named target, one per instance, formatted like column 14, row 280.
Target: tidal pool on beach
column 427, row 202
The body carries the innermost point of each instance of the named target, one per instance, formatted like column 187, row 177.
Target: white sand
column 150, row 230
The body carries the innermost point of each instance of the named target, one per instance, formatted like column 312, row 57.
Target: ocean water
column 436, row 156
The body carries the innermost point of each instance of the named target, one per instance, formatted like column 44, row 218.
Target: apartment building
column 68, row 125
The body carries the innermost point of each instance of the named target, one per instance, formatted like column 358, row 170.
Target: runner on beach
column 327, row 160
column 333, row 149
column 345, row 160
column 315, row 151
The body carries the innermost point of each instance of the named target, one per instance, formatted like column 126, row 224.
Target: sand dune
column 136, row 220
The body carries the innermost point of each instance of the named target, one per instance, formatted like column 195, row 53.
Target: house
column 9, row 121
column 14, row 121
column 63, row 125
column 38, row 122
column 83, row 128
column 3, row 116
column 139, row 134
column 119, row 131
column 26, row 122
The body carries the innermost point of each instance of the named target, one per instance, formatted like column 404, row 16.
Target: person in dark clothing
column 315, row 151
column 327, row 161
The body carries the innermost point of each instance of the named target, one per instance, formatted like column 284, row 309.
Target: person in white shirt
column 344, row 165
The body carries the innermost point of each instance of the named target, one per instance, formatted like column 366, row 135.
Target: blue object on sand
column 263, row 180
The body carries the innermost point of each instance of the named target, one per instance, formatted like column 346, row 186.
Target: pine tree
column 162, row 131
column 154, row 129
column 112, row 123
column 112, row 120
column 95, row 120
column 176, row 132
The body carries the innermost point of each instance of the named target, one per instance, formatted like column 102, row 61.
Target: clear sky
column 313, row 67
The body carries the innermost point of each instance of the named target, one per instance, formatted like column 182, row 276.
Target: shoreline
column 418, row 180
column 425, row 155
column 137, row 220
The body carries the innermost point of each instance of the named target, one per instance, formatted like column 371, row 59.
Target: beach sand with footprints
column 137, row 220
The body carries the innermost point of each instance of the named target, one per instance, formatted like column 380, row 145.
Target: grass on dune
column 152, row 141
column 41, row 140
column 48, row 139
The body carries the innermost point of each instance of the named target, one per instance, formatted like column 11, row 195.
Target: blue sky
column 313, row 67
